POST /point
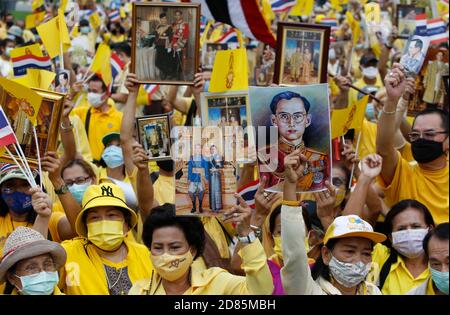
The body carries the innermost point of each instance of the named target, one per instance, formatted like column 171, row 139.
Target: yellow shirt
column 217, row 281
column 355, row 95
column 81, row 139
column 399, row 279
column 427, row 187
column 84, row 271
column 164, row 189
column 100, row 124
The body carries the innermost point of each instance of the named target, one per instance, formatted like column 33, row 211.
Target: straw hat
column 25, row 243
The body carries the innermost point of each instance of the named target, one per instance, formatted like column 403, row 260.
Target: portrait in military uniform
column 414, row 54
column 165, row 42
column 300, row 118
column 154, row 136
column 302, row 54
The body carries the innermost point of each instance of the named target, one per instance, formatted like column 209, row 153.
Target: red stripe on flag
column 20, row 58
column 7, row 140
column 257, row 23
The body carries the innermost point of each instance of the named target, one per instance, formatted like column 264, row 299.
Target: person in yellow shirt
column 435, row 246
column 30, row 263
column 177, row 242
column 99, row 117
column 101, row 260
column 427, row 181
column 164, row 186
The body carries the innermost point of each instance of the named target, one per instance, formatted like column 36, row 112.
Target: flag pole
column 38, row 154
column 23, row 159
column 20, row 167
column 61, row 64
column 356, row 155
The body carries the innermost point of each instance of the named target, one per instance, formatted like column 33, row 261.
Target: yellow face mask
column 172, row 267
column 106, row 234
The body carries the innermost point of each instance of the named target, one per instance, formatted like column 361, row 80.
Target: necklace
column 118, row 278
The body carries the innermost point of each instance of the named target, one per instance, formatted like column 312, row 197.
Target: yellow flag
column 230, row 71
column 36, row 78
column 337, row 4
column 29, row 101
column 342, row 120
column 95, row 20
column 372, row 13
column 63, row 4
column 34, row 49
column 74, row 33
column 36, row 4
column 55, row 35
column 122, row 12
column 101, row 65
column 302, row 8
column 268, row 13
column 33, row 20
column 354, row 26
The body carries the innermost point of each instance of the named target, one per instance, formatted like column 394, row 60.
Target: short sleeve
column 53, row 225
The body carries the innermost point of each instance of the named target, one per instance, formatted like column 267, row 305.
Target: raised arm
column 42, row 204
column 395, row 83
column 67, row 136
column 144, row 184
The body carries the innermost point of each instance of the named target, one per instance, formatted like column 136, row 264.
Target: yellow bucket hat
column 105, row 194
column 352, row 226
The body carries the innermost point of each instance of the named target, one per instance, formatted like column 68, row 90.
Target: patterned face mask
column 347, row 274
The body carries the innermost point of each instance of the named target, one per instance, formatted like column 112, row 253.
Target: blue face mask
column 440, row 279
column 113, row 156
column 85, row 29
column 77, row 190
column 18, row 202
column 370, row 112
column 42, row 283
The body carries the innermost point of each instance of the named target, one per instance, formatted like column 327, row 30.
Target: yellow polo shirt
column 84, row 271
column 164, row 189
column 100, row 124
column 413, row 182
column 399, row 280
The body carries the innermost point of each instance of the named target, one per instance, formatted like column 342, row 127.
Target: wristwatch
column 62, row 190
column 247, row 239
column 257, row 230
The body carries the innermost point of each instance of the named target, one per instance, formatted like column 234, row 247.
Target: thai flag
column 248, row 193
column 203, row 23
column 7, row 135
column 332, row 22
column 282, row 5
column 117, row 65
column 114, row 16
column 150, row 89
column 436, row 31
column 228, row 37
column 22, row 63
column 421, row 25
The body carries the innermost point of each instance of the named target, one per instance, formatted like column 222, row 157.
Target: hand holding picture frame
column 154, row 136
column 165, row 42
column 302, row 54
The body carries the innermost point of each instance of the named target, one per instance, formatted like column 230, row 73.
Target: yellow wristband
column 292, row 203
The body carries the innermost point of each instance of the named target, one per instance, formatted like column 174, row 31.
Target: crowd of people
column 104, row 221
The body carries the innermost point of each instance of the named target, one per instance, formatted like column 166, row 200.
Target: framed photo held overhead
column 405, row 19
column 154, row 136
column 302, row 54
column 165, row 42
column 47, row 128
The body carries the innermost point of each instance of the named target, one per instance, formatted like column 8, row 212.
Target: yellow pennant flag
column 337, row 4
column 372, row 13
column 302, row 8
column 122, row 12
column 34, row 49
column 101, row 65
column 55, row 35
column 28, row 100
column 342, row 120
column 44, row 77
column 63, row 4
column 267, row 11
column 354, row 26
column 36, row 4
column 95, row 20
column 33, row 20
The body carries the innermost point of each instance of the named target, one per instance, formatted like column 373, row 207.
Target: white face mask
column 409, row 242
column 370, row 72
column 95, row 99
column 347, row 274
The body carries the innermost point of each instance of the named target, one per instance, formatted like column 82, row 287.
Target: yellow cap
column 105, row 194
column 352, row 226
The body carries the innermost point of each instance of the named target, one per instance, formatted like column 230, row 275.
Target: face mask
column 106, row 234
column 42, row 283
column 370, row 111
column 277, row 248
column 113, row 156
column 359, row 46
column 340, row 195
column 332, row 54
column 370, row 72
column 172, row 267
column 18, row 202
column 85, row 29
column 409, row 242
column 440, row 279
column 8, row 51
column 347, row 274
column 95, row 99
column 425, row 151
column 77, row 191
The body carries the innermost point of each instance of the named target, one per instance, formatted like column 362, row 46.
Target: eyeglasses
column 78, row 181
column 296, row 117
column 338, row 181
column 429, row 135
column 34, row 268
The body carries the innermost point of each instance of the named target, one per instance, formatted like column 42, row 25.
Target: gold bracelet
column 291, row 203
column 389, row 113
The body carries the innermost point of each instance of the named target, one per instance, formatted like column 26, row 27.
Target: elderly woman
column 30, row 263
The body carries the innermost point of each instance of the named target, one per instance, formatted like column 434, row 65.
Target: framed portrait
column 405, row 19
column 302, row 54
column 209, row 54
column 414, row 54
column 154, row 136
column 205, row 181
column 263, row 73
column 165, row 42
column 47, row 128
column 429, row 6
column 291, row 118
